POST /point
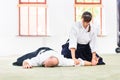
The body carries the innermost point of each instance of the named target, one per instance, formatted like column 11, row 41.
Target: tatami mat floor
column 110, row 71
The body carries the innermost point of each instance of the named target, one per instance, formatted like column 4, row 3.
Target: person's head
column 86, row 18
column 51, row 62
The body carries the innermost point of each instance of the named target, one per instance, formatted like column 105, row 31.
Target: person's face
column 51, row 62
column 85, row 24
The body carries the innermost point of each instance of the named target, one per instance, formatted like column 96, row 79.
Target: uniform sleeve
column 35, row 61
column 73, row 37
column 93, row 42
column 66, row 62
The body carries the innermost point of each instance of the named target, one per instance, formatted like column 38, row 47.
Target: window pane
column 32, row 0
column 32, row 21
column 88, row 1
column 24, row 0
column 97, row 1
column 24, row 21
column 41, row 0
column 79, row 0
column 32, row 18
column 41, row 23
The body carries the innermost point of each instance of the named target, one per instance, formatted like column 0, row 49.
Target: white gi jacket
column 40, row 58
column 79, row 34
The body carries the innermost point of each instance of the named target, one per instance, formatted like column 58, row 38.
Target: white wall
column 109, row 43
column 60, row 18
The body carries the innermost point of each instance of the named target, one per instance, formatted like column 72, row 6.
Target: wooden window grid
column 35, row 27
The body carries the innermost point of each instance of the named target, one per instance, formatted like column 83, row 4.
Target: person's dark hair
column 87, row 16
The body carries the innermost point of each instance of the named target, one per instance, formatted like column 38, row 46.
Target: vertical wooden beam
column 28, row 20
column 45, row 21
column 101, row 22
column 36, row 19
column 19, row 19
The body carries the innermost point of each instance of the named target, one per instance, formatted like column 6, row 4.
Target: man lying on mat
column 47, row 57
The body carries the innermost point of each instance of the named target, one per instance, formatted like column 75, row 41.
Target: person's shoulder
column 94, row 28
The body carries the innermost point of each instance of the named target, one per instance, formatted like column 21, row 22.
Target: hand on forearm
column 94, row 59
column 94, row 55
column 76, row 61
column 73, row 55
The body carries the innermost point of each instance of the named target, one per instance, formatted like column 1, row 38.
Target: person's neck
column 85, row 26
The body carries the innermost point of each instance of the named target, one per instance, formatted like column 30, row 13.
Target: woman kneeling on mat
column 82, row 42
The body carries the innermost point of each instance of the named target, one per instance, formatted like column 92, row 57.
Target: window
column 93, row 6
column 32, row 18
column 88, row 1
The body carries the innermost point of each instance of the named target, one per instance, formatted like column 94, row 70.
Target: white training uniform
column 79, row 34
column 40, row 58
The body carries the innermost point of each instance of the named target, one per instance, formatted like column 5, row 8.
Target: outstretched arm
column 83, row 62
column 29, row 63
column 70, row 62
column 80, row 62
